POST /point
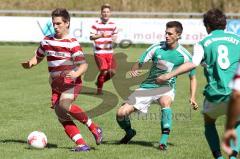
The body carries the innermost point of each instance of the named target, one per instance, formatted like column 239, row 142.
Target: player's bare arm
column 193, row 88
column 82, row 68
column 32, row 62
column 229, row 135
column 233, row 110
column 180, row 70
column 135, row 70
column 114, row 37
column 97, row 36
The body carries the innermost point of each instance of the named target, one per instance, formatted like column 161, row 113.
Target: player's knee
column 112, row 72
column 208, row 119
column 65, row 104
column 120, row 112
column 61, row 114
column 104, row 72
column 125, row 110
column 165, row 102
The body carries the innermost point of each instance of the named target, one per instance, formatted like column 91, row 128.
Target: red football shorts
column 65, row 88
column 105, row 61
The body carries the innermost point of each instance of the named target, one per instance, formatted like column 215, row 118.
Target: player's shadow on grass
column 152, row 144
column 49, row 145
column 109, row 101
column 142, row 143
column 133, row 142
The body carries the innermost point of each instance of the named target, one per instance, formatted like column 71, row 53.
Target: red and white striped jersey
column 104, row 45
column 62, row 54
column 236, row 80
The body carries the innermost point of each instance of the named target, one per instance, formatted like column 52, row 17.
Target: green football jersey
column 164, row 60
column 221, row 53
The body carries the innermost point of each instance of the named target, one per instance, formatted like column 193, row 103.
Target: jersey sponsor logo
column 225, row 38
column 53, row 53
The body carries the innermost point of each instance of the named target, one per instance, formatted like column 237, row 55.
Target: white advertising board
column 137, row 30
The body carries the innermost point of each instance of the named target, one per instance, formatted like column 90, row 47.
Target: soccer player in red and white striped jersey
column 66, row 64
column 233, row 116
column 103, row 34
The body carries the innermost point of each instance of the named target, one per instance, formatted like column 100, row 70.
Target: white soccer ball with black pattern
column 37, row 139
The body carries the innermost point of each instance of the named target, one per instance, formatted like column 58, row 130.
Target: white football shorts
column 141, row 98
column 214, row 110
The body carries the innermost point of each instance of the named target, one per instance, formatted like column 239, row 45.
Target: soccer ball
column 37, row 139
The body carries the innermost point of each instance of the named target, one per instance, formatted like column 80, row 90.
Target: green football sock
column 166, row 123
column 211, row 135
column 125, row 124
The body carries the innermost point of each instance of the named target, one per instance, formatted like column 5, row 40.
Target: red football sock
column 78, row 113
column 91, row 125
column 100, row 80
column 73, row 132
column 108, row 76
column 81, row 116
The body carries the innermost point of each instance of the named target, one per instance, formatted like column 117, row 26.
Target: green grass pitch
column 25, row 102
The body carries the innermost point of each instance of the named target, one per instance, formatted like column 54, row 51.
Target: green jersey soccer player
column 165, row 57
column 219, row 54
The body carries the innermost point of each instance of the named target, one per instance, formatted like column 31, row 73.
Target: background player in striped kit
column 103, row 34
column 219, row 54
column 66, row 64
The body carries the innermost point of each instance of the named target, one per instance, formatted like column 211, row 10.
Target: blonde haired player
column 103, row 34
